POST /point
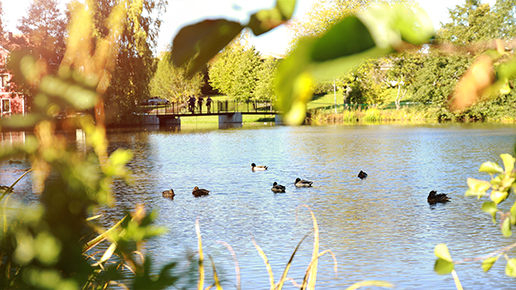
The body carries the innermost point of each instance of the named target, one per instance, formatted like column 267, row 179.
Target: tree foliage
column 234, row 72
column 45, row 27
column 437, row 78
column 474, row 22
column 172, row 83
column 264, row 88
column 135, row 64
column 368, row 83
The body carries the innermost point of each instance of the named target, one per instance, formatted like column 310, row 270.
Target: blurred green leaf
column 498, row 196
column 477, row 187
column 202, row 41
column 389, row 25
column 488, row 263
column 294, row 83
column 510, row 268
column 508, row 162
column 265, row 20
column 490, row 207
column 443, row 267
column 490, row 167
column 349, row 36
column 441, row 251
column 513, row 213
column 506, row 227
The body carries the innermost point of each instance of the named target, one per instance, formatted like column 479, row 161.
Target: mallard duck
column 169, row 193
column 362, row 175
column 277, row 188
column 255, row 167
column 303, row 183
column 433, row 197
column 197, row 192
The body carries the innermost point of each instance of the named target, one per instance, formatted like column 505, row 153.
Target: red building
column 10, row 102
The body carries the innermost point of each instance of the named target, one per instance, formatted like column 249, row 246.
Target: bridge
column 229, row 112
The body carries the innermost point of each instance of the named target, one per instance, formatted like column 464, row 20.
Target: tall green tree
column 45, row 28
column 135, row 63
column 264, row 89
column 474, row 21
column 436, row 80
column 172, row 83
column 234, row 71
column 368, row 83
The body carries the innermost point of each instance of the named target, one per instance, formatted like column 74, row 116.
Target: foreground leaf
column 441, row 251
column 488, row 263
column 443, row 267
column 506, row 227
column 477, row 187
column 490, row 167
column 265, row 20
column 202, row 41
column 510, row 269
column 508, row 162
column 498, row 196
column 490, row 208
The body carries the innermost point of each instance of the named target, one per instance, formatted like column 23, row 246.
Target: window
column 4, row 80
column 6, row 105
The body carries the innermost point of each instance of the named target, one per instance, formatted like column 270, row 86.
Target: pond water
column 379, row 228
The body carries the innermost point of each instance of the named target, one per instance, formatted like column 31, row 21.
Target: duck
column 362, row 175
column 433, row 197
column 255, row 167
column 198, row 192
column 277, row 188
column 169, row 193
column 303, row 183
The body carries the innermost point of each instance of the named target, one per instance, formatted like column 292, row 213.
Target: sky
column 183, row 12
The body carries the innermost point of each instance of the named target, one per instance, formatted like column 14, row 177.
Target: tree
column 403, row 69
column 234, row 72
column 135, row 64
column 45, row 28
column 474, row 22
column 172, row 83
column 264, row 89
column 437, row 79
column 367, row 83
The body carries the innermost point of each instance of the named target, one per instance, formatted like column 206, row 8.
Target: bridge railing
column 216, row 107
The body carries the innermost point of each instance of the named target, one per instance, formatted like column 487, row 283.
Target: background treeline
column 425, row 76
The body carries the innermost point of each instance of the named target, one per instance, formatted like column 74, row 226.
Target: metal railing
column 216, row 107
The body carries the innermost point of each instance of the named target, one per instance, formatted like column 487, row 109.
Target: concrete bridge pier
column 278, row 120
column 170, row 122
column 233, row 120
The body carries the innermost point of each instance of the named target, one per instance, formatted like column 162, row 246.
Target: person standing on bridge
column 191, row 103
column 199, row 102
column 208, row 104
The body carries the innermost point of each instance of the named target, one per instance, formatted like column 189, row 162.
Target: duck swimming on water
column 302, row 183
column 255, row 167
column 277, row 188
column 169, row 193
column 198, row 192
column 362, row 175
column 433, row 197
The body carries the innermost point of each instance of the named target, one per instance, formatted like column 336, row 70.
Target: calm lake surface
column 379, row 228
